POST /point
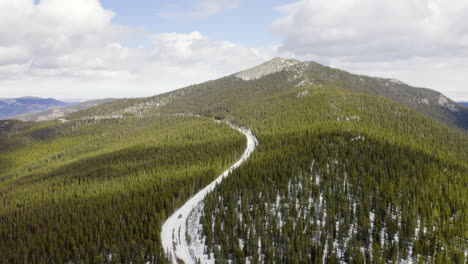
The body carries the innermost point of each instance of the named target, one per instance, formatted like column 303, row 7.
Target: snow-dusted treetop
column 269, row 67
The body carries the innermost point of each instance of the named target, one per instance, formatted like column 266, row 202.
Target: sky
column 87, row 49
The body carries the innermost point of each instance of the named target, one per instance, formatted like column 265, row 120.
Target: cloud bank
column 70, row 49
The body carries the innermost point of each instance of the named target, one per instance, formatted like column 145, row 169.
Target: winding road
column 174, row 229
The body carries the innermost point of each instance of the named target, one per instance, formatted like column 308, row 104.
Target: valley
column 175, row 230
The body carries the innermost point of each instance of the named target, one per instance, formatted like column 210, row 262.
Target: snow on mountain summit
column 269, row 67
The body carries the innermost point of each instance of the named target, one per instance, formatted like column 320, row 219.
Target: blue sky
column 118, row 48
column 247, row 23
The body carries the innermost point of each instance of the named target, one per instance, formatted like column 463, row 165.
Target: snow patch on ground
column 95, row 118
column 444, row 102
column 143, row 108
column 185, row 220
column 425, row 101
column 348, row 119
column 396, row 81
column 358, row 138
column 303, row 94
column 269, row 67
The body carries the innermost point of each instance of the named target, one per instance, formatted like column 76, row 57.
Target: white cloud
column 203, row 9
column 55, row 33
column 375, row 29
column 408, row 38
column 69, row 49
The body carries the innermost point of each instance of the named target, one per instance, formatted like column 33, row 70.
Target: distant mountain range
column 41, row 109
column 10, row 107
column 58, row 112
column 465, row 104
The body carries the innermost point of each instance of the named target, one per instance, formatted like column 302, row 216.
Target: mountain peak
column 278, row 60
column 31, row 97
column 266, row 68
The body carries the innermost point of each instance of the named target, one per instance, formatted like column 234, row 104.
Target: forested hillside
column 93, row 191
column 342, row 177
column 348, row 169
column 231, row 93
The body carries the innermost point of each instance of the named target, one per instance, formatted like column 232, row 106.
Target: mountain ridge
column 282, row 74
column 59, row 112
column 10, row 107
column 428, row 101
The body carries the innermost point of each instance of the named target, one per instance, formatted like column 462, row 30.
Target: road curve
column 174, row 229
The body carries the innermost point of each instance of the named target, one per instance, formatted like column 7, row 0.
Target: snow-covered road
column 174, row 229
